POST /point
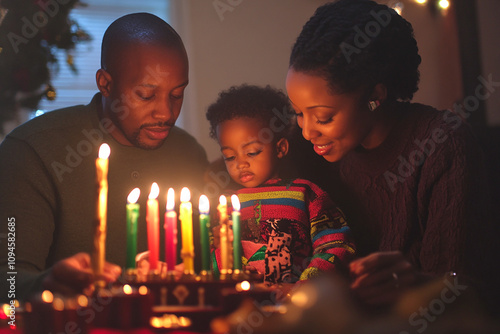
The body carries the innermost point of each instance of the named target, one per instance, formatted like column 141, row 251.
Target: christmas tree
column 31, row 31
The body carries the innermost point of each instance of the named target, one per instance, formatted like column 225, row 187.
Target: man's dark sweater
column 47, row 184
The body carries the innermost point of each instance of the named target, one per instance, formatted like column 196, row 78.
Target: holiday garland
column 31, row 31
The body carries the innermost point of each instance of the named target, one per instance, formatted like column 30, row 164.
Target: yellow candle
column 225, row 249
column 153, row 221
column 186, row 217
column 99, row 251
column 222, row 208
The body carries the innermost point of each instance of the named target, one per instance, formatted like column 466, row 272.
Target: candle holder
column 53, row 313
column 154, row 275
column 240, row 275
column 226, row 275
column 206, row 276
column 188, row 276
column 170, row 276
column 130, row 274
column 188, row 259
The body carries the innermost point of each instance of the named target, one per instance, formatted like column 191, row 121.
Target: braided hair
column 357, row 44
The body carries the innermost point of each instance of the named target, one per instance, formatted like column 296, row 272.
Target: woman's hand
column 281, row 292
column 74, row 275
column 379, row 278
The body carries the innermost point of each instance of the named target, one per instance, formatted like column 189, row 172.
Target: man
column 47, row 166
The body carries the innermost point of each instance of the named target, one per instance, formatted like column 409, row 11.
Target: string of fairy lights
column 435, row 5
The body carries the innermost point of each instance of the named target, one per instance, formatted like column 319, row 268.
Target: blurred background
column 230, row 42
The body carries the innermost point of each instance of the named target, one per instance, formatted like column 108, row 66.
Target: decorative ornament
column 70, row 60
column 50, row 93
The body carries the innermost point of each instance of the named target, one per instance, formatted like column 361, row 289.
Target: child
column 291, row 230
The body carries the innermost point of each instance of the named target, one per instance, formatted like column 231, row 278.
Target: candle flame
column 134, row 196
column 155, row 322
column 170, row 199
column 243, row 286
column 185, row 195
column 47, row 296
column 222, row 200
column 204, row 205
column 235, row 201
column 184, row 321
column 58, row 304
column 143, row 290
column 444, row 4
column 104, row 151
column 155, row 191
column 5, row 310
column 127, row 289
column 82, row 300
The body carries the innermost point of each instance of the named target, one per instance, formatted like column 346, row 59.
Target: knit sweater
column 292, row 230
column 47, row 185
column 420, row 192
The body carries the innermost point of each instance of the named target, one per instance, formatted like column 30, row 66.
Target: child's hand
column 251, row 269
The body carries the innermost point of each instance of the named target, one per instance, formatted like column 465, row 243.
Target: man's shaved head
column 144, row 72
column 135, row 29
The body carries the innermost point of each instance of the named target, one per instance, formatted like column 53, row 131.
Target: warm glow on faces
column 334, row 123
column 250, row 161
column 143, row 95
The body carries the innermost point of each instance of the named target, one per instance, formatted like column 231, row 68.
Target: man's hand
column 74, row 275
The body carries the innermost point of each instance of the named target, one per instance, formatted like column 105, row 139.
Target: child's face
column 251, row 157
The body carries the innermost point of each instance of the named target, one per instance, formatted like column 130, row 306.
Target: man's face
column 145, row 93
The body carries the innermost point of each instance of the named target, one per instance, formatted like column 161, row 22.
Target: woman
column 409, row 176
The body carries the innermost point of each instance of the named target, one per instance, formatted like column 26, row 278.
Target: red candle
column 152, row 219
column 170, row 231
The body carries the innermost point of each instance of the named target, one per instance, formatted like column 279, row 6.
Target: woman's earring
column 372, row 105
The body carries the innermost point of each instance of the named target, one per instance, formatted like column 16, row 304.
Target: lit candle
column 99, row 253
column 236, row 232
column 170, row 231
column 132, row 217
column 224, row 236
column 152, row 219
column 204, row 226
column 186, row 217
column 222, row 208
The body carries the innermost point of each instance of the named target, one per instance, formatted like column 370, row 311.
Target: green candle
column 236, row 232
column 204, row 227
column 132, row 217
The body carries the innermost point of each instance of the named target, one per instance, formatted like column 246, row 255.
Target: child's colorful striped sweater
column 292, row 230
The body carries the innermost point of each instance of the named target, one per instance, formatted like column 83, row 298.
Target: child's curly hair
column 268, row 104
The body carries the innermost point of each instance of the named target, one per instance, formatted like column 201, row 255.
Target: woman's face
column 334, row 123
